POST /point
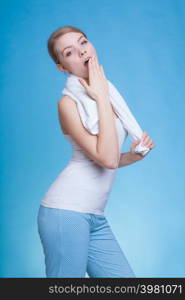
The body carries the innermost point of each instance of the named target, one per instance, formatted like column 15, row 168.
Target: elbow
column 109, row 165
column 113, row 167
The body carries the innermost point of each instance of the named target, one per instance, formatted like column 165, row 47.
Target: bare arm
column 70, row 119
column 128, row 158
column 131, row 157
column 107, row 143
column 98, row 89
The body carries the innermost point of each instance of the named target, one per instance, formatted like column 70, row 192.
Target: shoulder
column 65, row 100
column 67, row 109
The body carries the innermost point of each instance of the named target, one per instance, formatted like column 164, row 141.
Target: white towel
column 88, row 110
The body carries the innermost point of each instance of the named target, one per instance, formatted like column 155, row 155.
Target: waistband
column 93, row 219
column 63, row 206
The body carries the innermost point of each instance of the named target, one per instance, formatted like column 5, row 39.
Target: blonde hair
column 51, row 43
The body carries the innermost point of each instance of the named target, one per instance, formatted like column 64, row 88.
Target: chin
column 81, row 74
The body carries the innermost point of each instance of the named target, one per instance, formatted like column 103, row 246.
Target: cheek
column 91, row 48
column 74, row 63
column 64, row 63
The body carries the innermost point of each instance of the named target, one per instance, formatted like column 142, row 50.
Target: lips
column 86, row 61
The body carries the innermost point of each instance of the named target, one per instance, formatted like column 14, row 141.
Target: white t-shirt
column 83, row 185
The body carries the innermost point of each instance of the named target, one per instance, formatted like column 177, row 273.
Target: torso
column 83, row 185
column 65, row 131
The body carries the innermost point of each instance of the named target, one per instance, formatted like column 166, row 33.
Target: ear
column 61, row 68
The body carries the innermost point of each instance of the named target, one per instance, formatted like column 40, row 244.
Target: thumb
column 83, row 82
column 137, row 141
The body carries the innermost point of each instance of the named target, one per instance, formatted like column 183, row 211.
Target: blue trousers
column 75, row 243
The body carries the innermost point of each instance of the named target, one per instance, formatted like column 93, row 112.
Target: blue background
column 141, row 45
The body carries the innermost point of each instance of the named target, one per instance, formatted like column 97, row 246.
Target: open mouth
column 86, row 62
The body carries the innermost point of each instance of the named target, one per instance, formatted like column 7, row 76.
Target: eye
column 84, row 42
column 68, row 53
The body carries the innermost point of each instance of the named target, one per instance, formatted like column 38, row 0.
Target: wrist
column 103, row 97
column 136, row 156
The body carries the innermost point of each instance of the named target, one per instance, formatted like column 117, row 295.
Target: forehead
column 67, row 39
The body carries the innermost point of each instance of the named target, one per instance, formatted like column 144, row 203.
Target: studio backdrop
column 141, row 45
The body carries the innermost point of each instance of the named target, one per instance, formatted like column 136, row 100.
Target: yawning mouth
column 86, row 62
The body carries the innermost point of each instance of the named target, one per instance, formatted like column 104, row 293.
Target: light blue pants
column 75, row 243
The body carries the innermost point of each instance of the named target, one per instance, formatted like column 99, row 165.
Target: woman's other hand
column 146, row 141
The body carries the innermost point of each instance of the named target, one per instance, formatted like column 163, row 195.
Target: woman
column 74, row 231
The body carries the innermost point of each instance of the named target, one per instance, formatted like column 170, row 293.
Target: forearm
column 107, row 145
column 128, row 158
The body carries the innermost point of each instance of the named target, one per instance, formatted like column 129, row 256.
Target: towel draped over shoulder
column 88, row 110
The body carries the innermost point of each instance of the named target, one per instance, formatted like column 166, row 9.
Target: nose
column 82, row 52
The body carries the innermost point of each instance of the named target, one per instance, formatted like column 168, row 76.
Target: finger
column 102, row 70
column 99, row 67
column 146, row 140
column 149, row 144
column 96, row 65
column 83, row 82
column 91, row 70
column 93, row 67
column 137, row 141
column 144, row 134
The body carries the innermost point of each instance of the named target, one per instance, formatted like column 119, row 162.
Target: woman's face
column 78, row 50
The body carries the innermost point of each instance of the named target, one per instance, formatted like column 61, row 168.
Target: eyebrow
column 71, row 45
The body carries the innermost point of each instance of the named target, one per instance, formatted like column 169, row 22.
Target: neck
column 86, row 79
